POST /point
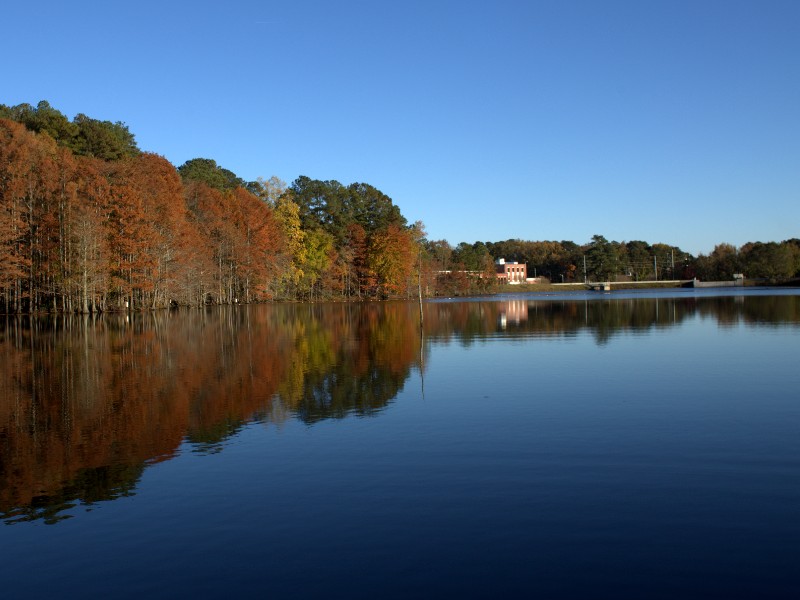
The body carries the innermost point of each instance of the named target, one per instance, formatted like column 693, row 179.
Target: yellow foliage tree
column 392, row 255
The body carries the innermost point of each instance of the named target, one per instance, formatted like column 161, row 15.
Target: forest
column 91, row 223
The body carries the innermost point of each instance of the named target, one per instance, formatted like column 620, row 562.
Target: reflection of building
column 514, row 311
column 511, row 272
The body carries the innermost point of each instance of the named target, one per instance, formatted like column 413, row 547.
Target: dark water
column 605, row 445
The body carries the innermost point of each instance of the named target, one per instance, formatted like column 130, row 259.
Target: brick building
column 511, row 272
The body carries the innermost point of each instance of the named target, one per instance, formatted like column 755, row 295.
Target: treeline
column 603, row 260
column 83, row 135
column 90, row 223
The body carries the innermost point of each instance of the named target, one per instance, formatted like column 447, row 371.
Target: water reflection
column 603, row 317
column 79, row 395
column 87, row 403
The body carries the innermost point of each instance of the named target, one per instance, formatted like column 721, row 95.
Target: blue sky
column 668, row 121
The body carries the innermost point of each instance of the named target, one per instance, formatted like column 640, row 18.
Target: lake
column 622, row 445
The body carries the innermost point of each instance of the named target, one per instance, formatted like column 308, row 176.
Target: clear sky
column 674, row 121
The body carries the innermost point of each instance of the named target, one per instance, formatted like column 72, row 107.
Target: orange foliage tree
column 392, row 256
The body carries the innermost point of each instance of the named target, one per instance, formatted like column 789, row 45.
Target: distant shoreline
column 635, row 285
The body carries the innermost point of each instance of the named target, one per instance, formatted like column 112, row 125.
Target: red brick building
column 511, row 272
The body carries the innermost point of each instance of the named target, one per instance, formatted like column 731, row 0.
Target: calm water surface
column 600, row 445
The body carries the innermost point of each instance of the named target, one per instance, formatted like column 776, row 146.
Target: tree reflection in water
column 86, row 403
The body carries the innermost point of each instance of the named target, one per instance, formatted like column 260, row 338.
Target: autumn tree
column 287, row 216
column 319, row 254
column 27, row 176
column 162, row 222
column 86, row 236
column 14, row 260
column 360, row 280
column 392, row 257
column 260, row 243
